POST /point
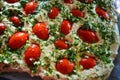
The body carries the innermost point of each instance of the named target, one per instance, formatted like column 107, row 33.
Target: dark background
column 115, row 74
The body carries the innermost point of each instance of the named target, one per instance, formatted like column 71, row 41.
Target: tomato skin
column 41, row 31
column 17, row 40
column 101, row 12
column 87, row 36
column 12, row 1
column 32, row 54
column 64, row 66
column 30, row 7
column 68, row 1
column 87, row 63
column 53, row 13
column 16, row 21
column 77, row 13
column 2, row 28
column 61, row 44
column 65, row 27
column 84, row 1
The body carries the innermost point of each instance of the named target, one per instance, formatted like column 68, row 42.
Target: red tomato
column 2, row 28
column 68, row 1
column 30, row 7
column 65, row 27
column 12, row 1
column 64, row 66
column 16, row 21
column 87, row 63
column 32, row 54
column 87, row 36
column 77, row 13
column 101, row 12
column 41, row 31
column 53, row 13
column 86, row 1
column 17, row 40
column 61, row 44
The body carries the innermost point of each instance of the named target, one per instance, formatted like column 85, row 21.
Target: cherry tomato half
column 77, row 13
column 87, row 63
column 68, row 1
column 87, row 36
column 2, row 28
column 64, row 66
column 12, row 1
column 30, row 7
column 61, row 44
column 17, row 40
column 41, row 31
column 16, row 21
column 53, row 13
column 101, row 12
column 65, row 27
column 32, row 54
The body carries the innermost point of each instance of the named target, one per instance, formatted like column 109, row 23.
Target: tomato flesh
column 101, row 12
column 12, row 1
column 61, row 44
column 2, row 28
column 53, row 13
column 87, row 63
column 64, row 66
column 65, row 27
column 16, row 21
column 86, row 1
column 32, row 54
column 17, row 40
column 88, row 36
column 41, row 31
column 77, row 13
column 30, row 7
column 68, row 1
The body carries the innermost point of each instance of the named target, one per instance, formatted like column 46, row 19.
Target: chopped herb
column 71, row 54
